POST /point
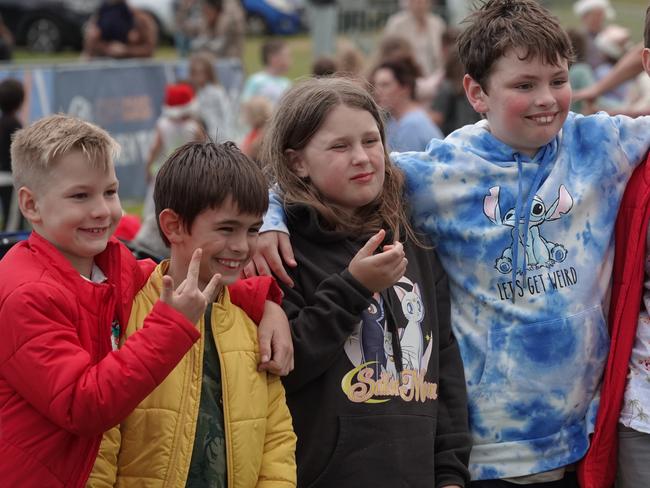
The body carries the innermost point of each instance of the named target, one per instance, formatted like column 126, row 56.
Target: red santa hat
column 179, row 101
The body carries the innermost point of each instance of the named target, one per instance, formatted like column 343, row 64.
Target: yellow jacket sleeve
column 104, row 473
column 278, row 468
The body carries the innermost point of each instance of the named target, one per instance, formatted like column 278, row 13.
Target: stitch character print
column 540, row 252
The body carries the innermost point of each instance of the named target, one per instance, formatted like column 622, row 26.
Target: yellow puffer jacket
column 152, row 448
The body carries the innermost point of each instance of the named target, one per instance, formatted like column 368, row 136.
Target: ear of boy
column 28, row 205
column 475, row 94
column 172, row 226
column 645, row 59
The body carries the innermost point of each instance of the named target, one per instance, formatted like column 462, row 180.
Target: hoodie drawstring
column 537, row 180
column 515, row 241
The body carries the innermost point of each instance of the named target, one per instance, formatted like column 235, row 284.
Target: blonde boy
column 64, row 294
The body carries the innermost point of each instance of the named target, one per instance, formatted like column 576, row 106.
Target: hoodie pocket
column 381, row 450
column 540, row 376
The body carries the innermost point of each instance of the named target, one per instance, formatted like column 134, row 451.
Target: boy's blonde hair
column 36, row 149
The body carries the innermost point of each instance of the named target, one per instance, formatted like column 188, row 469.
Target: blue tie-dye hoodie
column 527, row 300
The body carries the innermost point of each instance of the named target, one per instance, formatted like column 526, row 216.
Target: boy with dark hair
column 522, row 208
column 235, row 422
column 270, row 83
column 620, row 445
column 12, row 96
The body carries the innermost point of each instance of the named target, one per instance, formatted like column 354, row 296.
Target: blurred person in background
column 322, row 16
column 271, row 81
column 349, row 59
column 257, row 113
column 581, row 75
column 187, row 17
column 177, row 125
column 423, row 30
column 213, row 104
column 613, row 42
column 117, row 30
column 450, row 108
column 324, row 66
column 397, row 46
column 409, row 127
column 627, row 67
column 12, row 96
column 6, row 42
column 592, row 15
column 221, row 30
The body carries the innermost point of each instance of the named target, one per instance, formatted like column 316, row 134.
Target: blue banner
column 123, row 97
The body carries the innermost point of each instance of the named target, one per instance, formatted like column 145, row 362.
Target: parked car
column 47, row 25
column 274, row 16
column 263, row 16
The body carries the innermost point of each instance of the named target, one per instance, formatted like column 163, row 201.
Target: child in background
column 12, row 95
column 369, row 309
column 64, row 293
column 623, row 421
column 214, row 107
column 521, row 207
column 349, row 60
column 257, row 112
column 176, row 125
column 236, row 428
column 270, row 83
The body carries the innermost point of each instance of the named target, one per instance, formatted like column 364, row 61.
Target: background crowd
column 411, row 65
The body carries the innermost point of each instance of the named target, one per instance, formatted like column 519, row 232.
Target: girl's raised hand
column 188, row 298
column 378, row 271
column 273, row 248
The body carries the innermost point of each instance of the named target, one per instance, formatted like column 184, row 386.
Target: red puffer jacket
column 598, row 468
column 61, row 385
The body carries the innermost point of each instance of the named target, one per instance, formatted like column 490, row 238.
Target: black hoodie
column 356, row 425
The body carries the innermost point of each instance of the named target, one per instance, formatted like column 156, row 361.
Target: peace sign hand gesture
column 188, row 298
